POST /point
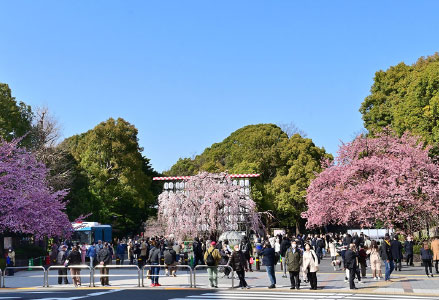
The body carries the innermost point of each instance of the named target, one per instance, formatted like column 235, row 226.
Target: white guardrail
column 2, row 284
column 140, row 273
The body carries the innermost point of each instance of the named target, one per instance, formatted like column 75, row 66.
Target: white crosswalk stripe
column 297, row 295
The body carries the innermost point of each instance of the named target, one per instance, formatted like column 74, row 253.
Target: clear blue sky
column 188, row 73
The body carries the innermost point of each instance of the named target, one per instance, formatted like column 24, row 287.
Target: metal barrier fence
column 206, row 267
column 166, row 266
column 24, row 268
column 100, row 267
column 69, row 267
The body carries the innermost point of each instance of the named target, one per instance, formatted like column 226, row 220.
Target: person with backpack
column 269, row 261
column 170, row 260
column 212, row 258
column 238, row 263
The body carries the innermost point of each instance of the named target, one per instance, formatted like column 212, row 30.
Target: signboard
column 7, row 242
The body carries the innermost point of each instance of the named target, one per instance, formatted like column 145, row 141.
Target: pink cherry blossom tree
column 27, row 203
column 381, row 180
column 209, row 205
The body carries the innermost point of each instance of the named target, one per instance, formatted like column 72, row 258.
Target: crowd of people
column 299, row 255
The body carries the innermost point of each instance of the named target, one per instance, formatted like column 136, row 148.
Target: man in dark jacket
column 408, row 247
column 351, row 264
column 386, row 256
column 238, row 262
column 269, row 259
column 284, row 245
column 396, row 248
column 293, row 261
column 60, row 260
column 104, row 258
column 198, row 252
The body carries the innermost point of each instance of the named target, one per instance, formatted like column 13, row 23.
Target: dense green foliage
column 112, row 179
column 286, row 166
column 405, row 98
column 15, row 118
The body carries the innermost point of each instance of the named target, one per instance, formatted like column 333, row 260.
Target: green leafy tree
column 405, row 98
column 301, row 160
column 15, row 118
column 113, row 178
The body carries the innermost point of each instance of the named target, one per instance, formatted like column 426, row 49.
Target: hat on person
column 213, row 243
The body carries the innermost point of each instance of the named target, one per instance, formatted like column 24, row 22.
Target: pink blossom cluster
column 27, row 204
column 381, row 180
column 209, row 204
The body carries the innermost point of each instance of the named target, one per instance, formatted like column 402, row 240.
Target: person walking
column 293, row 262
column 104, row 258
column 351, row 258
column 310, row 265
column 435, row 250
column 238, row 263
column 408, row 248
column 396, row 248
column 74, row 259
column 154, row 260
column 427, row 257
column 269, row 261
column 375, row 260
column 246, row 248
column 212, row 258
column 386, row 256
column 60, row 261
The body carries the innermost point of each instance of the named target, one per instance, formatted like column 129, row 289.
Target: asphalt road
column 191, row 294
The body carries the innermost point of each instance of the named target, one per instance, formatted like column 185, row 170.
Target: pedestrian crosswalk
column 261, row 295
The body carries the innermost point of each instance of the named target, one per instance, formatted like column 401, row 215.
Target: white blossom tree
column 208, row 205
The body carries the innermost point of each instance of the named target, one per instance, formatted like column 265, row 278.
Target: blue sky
column 188, row 73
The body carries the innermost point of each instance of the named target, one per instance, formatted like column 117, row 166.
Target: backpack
column 169, row 259
column 210, row 261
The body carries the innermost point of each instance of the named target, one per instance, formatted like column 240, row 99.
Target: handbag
column 148, row 274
